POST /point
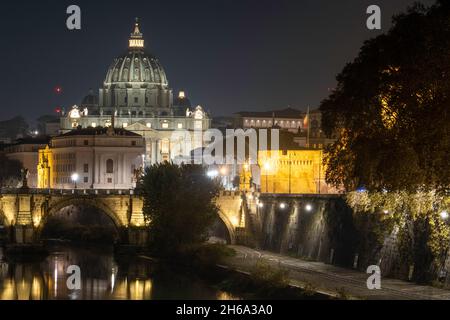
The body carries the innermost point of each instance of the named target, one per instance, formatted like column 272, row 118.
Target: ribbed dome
column 136, row 65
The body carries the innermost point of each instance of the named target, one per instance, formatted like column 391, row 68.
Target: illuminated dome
column 136, row 65
column 136, row 82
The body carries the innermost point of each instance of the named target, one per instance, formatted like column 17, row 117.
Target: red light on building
column 58, row 110
column 58, row 90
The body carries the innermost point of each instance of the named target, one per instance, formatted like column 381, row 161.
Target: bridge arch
column 97, row 203
column 228, row 225
column 3, row 220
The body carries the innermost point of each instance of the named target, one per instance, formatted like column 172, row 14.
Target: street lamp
column 308, row 207
column 282, row 205
column 444, row 215
column 223, row 171
column 212, row 173
column 75, row 177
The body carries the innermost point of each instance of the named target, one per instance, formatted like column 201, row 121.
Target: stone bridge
column 23, row 212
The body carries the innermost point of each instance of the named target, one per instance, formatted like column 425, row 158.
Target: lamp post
column 75, row 178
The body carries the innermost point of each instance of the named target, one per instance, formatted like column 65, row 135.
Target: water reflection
column 102, row 277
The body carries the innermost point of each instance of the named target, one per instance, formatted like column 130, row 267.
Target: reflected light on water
column 221, row 295
column 113, row 280
column 8, row 290
column 140, row 289
column 101, row 278
column 56, row 278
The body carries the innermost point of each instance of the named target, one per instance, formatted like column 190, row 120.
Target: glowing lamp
column 223, row 171
column 75, row 177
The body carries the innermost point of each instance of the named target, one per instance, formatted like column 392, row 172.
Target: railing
column 69, row 191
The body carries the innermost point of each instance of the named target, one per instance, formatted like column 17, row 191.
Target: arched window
column 109, row 166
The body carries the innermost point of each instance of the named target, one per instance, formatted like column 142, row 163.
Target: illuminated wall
column 45, row 163
column 292, row 171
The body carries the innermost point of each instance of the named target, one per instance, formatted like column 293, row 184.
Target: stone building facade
column 136, row 93
column 91, row 158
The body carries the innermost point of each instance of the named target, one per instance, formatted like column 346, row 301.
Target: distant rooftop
column 90, row 131
column 283, row 113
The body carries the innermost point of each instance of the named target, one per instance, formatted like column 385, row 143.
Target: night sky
column 228, row 55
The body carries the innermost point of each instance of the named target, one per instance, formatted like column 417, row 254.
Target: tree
column 391, row 108
column 10, row 172
column 178, row 205
column 14, row 128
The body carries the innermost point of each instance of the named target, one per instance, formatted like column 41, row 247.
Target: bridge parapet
column 6, row 191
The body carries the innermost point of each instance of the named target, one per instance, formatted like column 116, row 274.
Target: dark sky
column 229, row 55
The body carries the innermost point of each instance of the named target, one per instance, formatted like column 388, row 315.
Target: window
column 146, row 99
column 133, row 143
column 86, row 142
column 109, row 166
column 93, row 124
column 86, row 168
column 125, row 124
column 86, row 179
column 149, row 125
column 109, row 180
column 136, row 100
column 165, row 125
column 180, row 126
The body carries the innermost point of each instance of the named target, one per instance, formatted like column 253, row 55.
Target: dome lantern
column 136, row 40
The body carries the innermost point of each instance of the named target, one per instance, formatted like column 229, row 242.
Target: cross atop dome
column 136, row 40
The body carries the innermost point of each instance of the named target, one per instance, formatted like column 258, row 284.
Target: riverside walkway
column 334, row 281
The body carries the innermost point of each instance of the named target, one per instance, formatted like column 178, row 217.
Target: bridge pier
column 23, row 234
column 138, row 236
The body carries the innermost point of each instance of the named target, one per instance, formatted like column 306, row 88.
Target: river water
column 102, row 277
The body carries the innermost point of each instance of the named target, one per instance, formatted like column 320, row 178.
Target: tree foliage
column 391, row 108
column 14, row 128
column 10, row 172
column 422, row 235
column 179, row 206
column 390, row 111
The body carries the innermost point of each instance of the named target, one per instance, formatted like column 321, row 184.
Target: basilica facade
column 136, row 96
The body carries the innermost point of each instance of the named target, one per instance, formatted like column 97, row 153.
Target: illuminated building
column 292, row 171
column 136, row 91
column 306, row 126
column 99, row 158
column 287, row 119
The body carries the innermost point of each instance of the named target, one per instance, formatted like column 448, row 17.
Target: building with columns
column 136, row 93
column 91, row 158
